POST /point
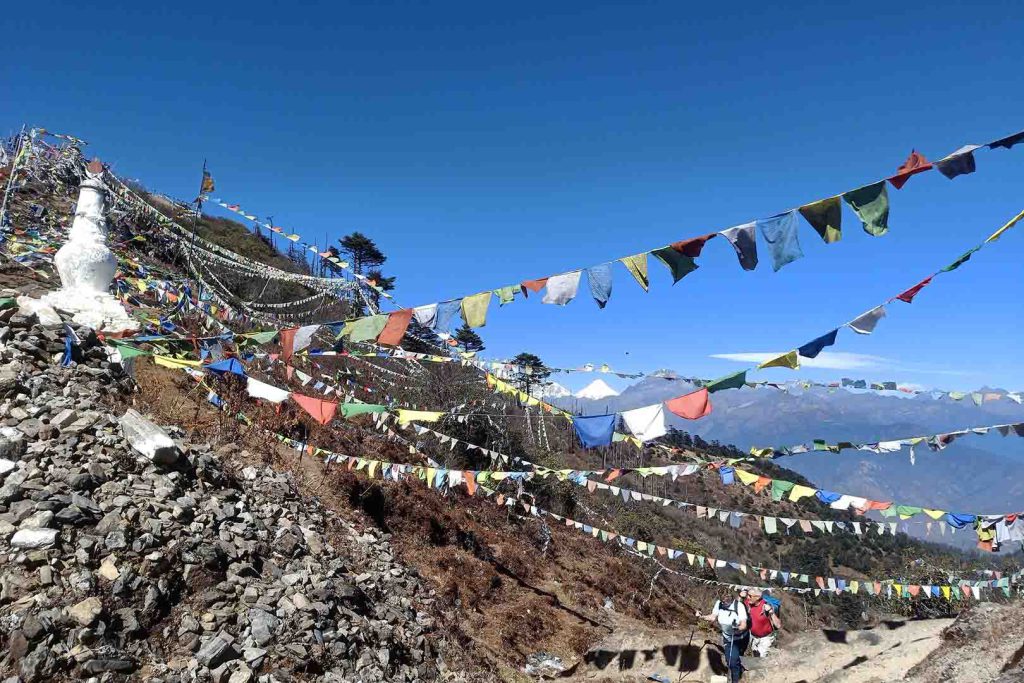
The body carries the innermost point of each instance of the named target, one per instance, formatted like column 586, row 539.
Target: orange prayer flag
column 614, row 474
column 287, row 342
column 761, row 482
column 914, row 590
column 533, row 285
column 915, row 163
column 395, row 328
column 321, row 410
column 820, row 581
column 470, row 480
column 966, row 590
column 692, row 406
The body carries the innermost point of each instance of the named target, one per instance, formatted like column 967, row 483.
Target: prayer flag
column 812, row 348
column 693, row 246
column 780, row 233
column 692, row 406
column 600, row 280
column 394, row 328
column 960, row 162
column 742, row 240
column 229, row 365
column 871, row 204
column 594, row 431
column 637, row 266
column 679, row 264
column 474, row 309
column 506, row 295
column 915, row 163
column 258, row 389
column 407, row 416
column 787, row 360
column 534, row 285
column 646, row 423
column 562, row 288
column 207, row 185
column 1007, row 142
column 353, row 409
column 446, row 312
column 365, row 329
column 909, row 294
column 825, row 216
column 426, row 315
column 321, row 410
column 866, row 322
column 733, row 381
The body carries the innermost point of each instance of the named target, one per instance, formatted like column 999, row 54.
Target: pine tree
column 530, row 372
column 362, row 252
column 469, row 339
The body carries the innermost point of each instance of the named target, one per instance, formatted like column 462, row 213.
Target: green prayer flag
column 871, row 204
column 128, row 351
column 637, row 266
column 260, row 337
column 506, row 295
column 733, row 381
column 364, row 329
column 825, row 216
column 6, row 302
column 960, row 261
column 780, row 488
column 474, row 309
column 353, row 409
column 680, row 265
column 907, row 511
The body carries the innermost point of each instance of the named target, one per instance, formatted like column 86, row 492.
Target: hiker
column 731, row 615
column 764, row 621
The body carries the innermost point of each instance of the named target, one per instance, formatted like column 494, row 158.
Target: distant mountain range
column 974, row 474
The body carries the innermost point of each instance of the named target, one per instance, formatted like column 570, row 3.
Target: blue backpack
column 775, row 603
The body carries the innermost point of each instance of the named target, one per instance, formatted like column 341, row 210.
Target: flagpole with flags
column 206, row 185
column 14, row 171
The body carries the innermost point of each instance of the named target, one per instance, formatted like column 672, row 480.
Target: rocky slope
column 166, row 564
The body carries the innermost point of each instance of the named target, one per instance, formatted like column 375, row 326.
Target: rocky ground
column 126, row 552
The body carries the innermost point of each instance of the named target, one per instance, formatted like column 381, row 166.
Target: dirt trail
column 881, row 654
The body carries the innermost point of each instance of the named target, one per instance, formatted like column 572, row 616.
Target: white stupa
column 85, row 264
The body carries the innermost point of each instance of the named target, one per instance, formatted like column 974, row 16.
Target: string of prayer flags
column 780, row 233
column 594, row 431
column 825, row 216
column 871, row 204
column 915, row 163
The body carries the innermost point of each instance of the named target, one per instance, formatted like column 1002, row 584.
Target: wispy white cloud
column 832, row 360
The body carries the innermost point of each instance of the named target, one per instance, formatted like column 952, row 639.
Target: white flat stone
column 32, row 539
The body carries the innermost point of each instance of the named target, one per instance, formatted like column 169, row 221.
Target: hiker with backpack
column 731, row 615
column 764, row 621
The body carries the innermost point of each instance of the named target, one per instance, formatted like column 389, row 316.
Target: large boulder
column 148, row 439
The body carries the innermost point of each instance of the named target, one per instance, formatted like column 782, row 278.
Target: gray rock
column 148, row 439
column 263, row 625
column 34, row 538
column 216, row 651
column 87, row 611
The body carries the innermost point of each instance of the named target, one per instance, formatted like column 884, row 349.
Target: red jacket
column 760, row 621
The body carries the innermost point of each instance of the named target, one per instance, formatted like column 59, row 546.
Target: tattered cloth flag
column 646, row 423
column 787, row 360
column 693, row 246
column 506, row 295
column 866, row 322
column 594, row 431
column 207, row 185
column 365, row 329
column 915, row 163
column 871, row 204
column 446, row 312
column 812, row 348
column 474, row 309
column 741, row 237
column 679, row 264
column 258, row 389
column 1007, row 142
column 321, row 410
column 395, row 327
column 228, row 365
column 825, row 216
column 733, row 381
column 533, row 285
column 353, row 409
column 692, row 406
column 562, row 288
column 426, row 315
column 637, row 266
column 960, row 162
column 780, row 233
column 599, row 278
column 909, row 294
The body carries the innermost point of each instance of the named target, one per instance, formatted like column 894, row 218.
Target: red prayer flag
column 395, row 327
column 321, row 410
column 966, row 590
column 287, row 342
column 533, row 285
column 693, row 246
column 914, row 590
column 909, row 295
column 915, row 163
column 692, row 406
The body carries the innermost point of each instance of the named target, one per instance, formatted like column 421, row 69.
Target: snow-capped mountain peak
column 596, row 390
column 551, row 390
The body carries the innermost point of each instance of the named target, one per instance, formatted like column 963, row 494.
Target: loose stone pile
column 128, row 553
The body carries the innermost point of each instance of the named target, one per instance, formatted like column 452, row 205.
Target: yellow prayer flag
column 935, row 514
column 175, row 363
column 800, row 491
column 789, row 360
column 637, row 266
column 407, row 416
column 745, row 477
column 1013, row 221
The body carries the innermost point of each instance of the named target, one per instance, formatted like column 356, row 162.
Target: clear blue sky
column 481, row 145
